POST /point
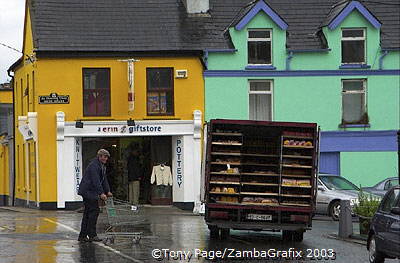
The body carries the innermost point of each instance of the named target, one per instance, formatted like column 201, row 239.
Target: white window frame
column 364, row 38
column 363, row 91
column 267, row 39
column 270, row 92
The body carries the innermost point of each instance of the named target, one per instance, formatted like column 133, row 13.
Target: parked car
column 384, row 234
column 332, row 189
column 382, row 187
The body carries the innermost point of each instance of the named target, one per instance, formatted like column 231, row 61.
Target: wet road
column 170, row 234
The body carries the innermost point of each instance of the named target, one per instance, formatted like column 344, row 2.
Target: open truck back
column 260, row 176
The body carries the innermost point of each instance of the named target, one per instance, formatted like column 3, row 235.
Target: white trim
column 270, row 92
column 265, row 39
column 187, row 131
column 363, row 91
column 363, row 38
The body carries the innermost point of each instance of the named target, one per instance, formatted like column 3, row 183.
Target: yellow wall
column 64, row 77
column 4, row 169
column 24, row 95
column 6, row 96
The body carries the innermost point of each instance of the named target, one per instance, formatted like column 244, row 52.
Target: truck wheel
column 225, row 233
column 298, row 236
column 214, row 232
column 334, row 210
column 287, row 235
column 374, row 256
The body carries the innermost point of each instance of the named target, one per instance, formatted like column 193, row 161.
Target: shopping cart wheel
column 105, row 241
column 136, row 239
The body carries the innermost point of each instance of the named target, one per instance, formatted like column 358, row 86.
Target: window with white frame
column 260, row 100
column 353, row 46
column 354, row 101
column 259, row 47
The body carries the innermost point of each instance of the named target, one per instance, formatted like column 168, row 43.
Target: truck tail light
column 219, row 214
column 301, row 218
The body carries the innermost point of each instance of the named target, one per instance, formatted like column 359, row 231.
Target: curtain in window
column 260, row 107
column 353, row 107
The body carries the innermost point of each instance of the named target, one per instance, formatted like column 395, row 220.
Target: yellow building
column 78, row 89
column 6, row 145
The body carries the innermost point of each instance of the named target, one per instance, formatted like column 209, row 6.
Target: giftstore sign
column 130, row 129
column 120, row 128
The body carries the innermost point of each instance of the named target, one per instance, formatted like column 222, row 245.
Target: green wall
column 313, row 98
column 368, row 168
column 294, row 99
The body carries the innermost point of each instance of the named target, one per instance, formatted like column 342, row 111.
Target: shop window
column 259, row 47
column 354, row 102
column 353, row 46
column 96, row 92
column 260, row 100
column 160, row 91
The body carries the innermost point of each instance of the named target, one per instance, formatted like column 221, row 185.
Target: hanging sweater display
column 161, row 175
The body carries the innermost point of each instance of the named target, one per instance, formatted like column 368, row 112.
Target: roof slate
column 163, row 25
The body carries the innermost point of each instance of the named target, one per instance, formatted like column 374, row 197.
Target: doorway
column 152, row 151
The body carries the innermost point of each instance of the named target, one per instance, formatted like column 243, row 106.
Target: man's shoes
column 83, row 239
column 95, row 239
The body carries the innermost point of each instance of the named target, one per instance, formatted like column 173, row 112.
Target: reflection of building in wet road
column 50, row 237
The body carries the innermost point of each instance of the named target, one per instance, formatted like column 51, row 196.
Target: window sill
column 260, row 67
column 161, row 117
column 354, row 66
column 355, row 125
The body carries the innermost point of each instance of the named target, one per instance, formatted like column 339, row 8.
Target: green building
column 330, row 62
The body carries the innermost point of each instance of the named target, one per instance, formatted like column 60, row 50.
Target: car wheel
column 298, row 236
column 225, row 233
column 334, row 210
column 214, row 232
column 374, row 256
column 287, row 235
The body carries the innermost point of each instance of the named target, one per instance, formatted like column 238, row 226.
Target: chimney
column 196, row 6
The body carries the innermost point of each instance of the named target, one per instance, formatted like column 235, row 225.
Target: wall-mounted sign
column 78, row 163
column 54, row 98
column 26, row 132
column 130, row 129
column 179, row 162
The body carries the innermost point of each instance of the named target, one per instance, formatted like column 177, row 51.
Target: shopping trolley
column 121, row 216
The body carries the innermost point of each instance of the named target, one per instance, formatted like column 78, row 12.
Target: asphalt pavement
column 168, row 235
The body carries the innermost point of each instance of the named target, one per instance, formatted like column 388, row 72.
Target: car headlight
column 354, row 201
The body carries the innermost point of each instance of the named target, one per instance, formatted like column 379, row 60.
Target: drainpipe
column 398, row 153
column 14, row 153
column 288, row 59
column 205, row 58
column 385, row 52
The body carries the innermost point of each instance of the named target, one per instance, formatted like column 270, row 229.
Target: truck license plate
column 259, row 217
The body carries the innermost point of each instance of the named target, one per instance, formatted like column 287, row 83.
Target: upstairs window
column 259, row 47
column 354, row 102
column 353, row 46
column 260, row 100
column 96, row 92
column 160, row 91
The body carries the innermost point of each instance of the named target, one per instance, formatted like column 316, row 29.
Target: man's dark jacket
column 135, row 171
column 94, row 181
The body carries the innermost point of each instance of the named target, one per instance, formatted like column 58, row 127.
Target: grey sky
column 11, row 33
